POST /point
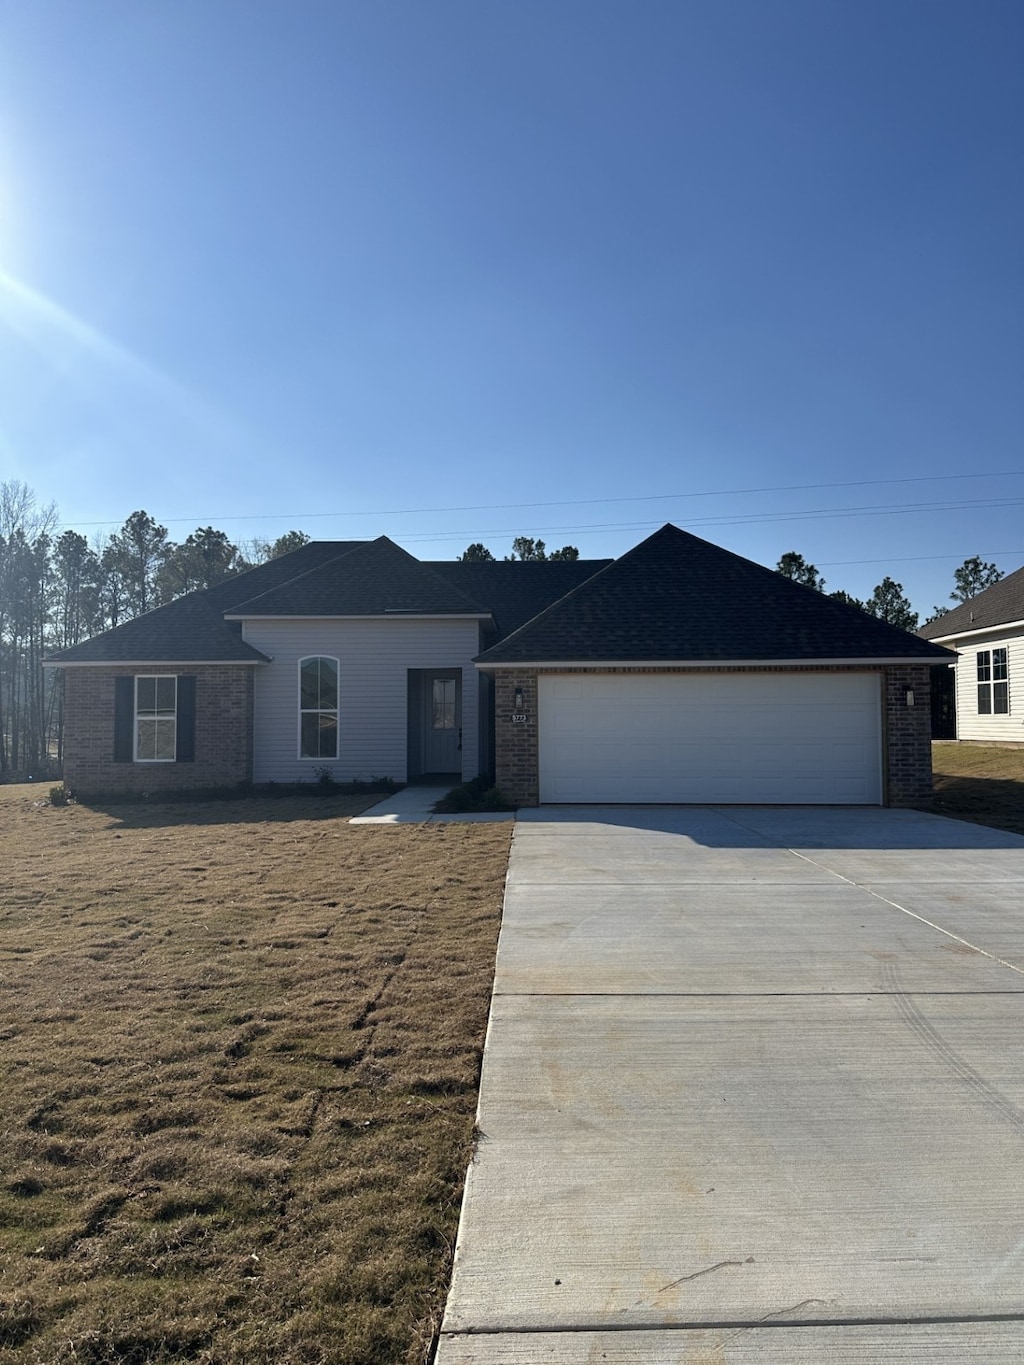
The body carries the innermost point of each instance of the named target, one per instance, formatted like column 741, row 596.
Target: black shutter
column 185, row 751
column 124, row 719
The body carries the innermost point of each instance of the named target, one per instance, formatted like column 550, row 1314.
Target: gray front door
column 442, row 723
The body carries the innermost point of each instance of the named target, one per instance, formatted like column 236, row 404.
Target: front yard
column 240, row 1046
column 980, row 782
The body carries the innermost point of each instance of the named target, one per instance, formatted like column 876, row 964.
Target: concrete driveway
column 753, row 1091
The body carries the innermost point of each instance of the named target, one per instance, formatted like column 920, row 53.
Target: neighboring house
column 987, row 633
column 678, row 673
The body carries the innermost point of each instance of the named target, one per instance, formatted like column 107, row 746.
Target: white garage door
column 775, row 738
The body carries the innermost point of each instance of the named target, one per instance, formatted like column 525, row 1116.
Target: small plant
column 59, row 796
column 324, row 775
column 476, row 795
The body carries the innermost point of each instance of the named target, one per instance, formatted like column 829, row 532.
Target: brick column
column 908, row 735
column 515, row 744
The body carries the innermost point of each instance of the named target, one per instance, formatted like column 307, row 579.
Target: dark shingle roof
column 676, row 597
column 192, row 629
column 373, row 579
column 188, row 630
column 996, row 606
column 513, row 591
column 278, row 571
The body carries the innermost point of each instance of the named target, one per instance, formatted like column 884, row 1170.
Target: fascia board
column 709, row 663
column 155, row 663
column 980, row 630
column 366, row 616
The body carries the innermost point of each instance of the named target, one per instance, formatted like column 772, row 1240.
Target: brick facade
column 517, row 770
column 908, row 736
column 906, row 731
column 223, row 735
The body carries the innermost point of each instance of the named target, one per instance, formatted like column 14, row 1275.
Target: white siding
column 732, row 737
column 373, row 662
column 969, row 725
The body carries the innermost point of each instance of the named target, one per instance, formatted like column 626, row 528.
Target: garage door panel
column 727, row 738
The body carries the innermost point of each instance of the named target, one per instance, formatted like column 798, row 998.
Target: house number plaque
column 519, row 717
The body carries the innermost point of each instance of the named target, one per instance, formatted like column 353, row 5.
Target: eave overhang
column 156, row 663
column 975, row 631
column 367, row 616
column 603, row 664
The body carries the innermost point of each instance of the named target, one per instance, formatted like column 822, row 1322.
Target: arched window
column 318, row 708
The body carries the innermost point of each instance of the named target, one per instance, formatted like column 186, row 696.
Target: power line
column 584, row 502
column 754, row 518
column 914, row 559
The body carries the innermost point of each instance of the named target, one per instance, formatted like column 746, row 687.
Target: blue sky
column 456, row 270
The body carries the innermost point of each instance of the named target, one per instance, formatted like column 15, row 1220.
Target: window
column 443, row 704
column 993, row 683
column 318, row 708
column 156, row 719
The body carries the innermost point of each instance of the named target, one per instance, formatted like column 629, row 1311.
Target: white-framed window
column 993, row 683
column 156, row 718
column 318, row 707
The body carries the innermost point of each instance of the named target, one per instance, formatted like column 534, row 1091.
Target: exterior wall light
column 517, row 699
column 910, row 698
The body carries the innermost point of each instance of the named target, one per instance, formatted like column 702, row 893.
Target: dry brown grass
column 980, row 782
column 240, row 1046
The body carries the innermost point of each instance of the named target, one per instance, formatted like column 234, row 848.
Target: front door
column 442, row 723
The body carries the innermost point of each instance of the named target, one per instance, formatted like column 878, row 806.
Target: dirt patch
column 980, row 782
column 240, row 1047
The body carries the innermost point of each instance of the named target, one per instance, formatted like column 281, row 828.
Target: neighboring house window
column 318, row 708
column 154, row 718
column 993, row 683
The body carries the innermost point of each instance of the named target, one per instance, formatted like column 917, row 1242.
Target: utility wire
column 585, row 502
column 754, row 518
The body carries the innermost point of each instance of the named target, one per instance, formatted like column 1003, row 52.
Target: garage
column 807, row 738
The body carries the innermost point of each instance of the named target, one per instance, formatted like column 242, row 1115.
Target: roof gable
column 676, row 597
column 998, row 605
column 375, row 578
column 188, row 630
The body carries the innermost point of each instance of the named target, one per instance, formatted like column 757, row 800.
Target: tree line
column 57, row 589
column 888, row 601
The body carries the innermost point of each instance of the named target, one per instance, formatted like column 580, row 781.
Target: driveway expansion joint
column 771, row 1321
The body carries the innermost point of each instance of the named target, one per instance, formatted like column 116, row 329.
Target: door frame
column 420, row 701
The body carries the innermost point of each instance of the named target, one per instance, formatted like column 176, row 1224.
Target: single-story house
column 677, row 673
column 988, row 634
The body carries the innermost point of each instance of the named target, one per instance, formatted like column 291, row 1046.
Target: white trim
column 982, row 630
column 160, row 720
column 155, row 663
column 403, row 615
column 319, row 711
column 710, row 663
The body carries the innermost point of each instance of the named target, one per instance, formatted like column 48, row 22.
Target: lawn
column 239, row 1054
column 980, row 782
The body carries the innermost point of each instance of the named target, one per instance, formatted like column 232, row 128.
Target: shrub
column 59, row 796
column 475, row 795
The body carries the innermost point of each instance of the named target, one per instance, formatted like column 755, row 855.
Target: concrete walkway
column 415, row 806
column 753, row 1090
